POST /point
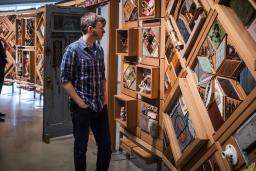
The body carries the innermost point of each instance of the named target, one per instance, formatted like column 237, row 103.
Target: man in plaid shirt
column 83, row 78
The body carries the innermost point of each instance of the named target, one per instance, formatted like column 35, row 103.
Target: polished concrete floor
column 22, row 149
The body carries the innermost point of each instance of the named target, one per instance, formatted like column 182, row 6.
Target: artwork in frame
column 205, row 64
column 26, row 64
column 151, row 41
column 216, row 34
column 147, row 8
column 145, row 85
column 129, row 76
column 245, row 137
column 130, row 10
column 221, row 53
column 189, row 20
column 182, row 125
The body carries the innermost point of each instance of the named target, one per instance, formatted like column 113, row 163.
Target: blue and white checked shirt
column 84, row 68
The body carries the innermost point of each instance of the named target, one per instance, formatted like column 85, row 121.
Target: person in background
column 2, row 65
column 83, row 78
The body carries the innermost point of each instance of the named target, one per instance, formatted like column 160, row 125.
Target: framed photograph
column 245, row 137
column 151, row 41
column 147, row 8
column 129, row 76
column 130, row 10
column 216, row 34
column 205, row 64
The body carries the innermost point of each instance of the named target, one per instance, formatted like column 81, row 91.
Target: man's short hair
column 90, row 19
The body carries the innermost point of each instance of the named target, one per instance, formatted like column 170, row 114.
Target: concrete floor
column 22, row 149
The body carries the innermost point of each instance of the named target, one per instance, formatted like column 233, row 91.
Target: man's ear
column 90, row 28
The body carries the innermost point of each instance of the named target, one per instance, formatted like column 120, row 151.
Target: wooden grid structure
column 205, row 51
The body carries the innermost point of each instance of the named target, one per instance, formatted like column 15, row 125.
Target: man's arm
column 105, row 96
column 66, row 74
column 69, row 88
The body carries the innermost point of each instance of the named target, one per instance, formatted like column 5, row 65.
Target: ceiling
column 8, row 2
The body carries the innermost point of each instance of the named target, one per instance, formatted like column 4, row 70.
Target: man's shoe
column 1, row 114
column 1, row 120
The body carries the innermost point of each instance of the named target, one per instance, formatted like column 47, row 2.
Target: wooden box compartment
column 20, row 31
column 150, row 42
column 147, row 81
column 127, row 42
column 148, row 118
column 149, row 9
column 128, row 106
column 130, row 10
column 25, row 63
column 183, row 126
column 128, row 77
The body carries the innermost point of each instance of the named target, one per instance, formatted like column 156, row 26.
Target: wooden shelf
column 127, row 42
column 130, row 105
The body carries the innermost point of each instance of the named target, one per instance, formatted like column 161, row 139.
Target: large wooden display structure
column 191, row 67
column 24, row 36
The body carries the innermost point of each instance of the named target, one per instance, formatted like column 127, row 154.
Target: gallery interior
column 181, row 84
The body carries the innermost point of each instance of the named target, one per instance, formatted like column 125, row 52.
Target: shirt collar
column 84, row 45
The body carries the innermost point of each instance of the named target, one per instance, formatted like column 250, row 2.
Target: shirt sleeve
column 67, row 65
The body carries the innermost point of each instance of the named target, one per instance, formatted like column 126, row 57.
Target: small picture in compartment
column 167, row 82
column 172, row 37
column 149, row 119
column 169, row 48
column 129, row 76
column 207, row 49
column 26, row 64
column 29, row 32
column 19, row 32
column 246, row 80
column 216, row 34
column 123, row 41
column 228, row 88
column 245, row 137
column 205, row 64
column 145, row 85
column 130, row 10
column 147, row 8
column 19, row 64
column 182, row 125
column 150, row 41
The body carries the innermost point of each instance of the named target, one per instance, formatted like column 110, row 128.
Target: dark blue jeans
column 83, row 119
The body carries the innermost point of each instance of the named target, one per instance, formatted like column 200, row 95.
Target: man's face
column 98, row 31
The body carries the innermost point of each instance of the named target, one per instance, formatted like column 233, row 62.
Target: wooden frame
column 127, row 37
column 181, row 87
column 153, row 72
column 130, row 105
column 150, row 37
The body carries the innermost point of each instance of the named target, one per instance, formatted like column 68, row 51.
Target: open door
column 62, row 27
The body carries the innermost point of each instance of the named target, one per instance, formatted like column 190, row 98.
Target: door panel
column 62, row 28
